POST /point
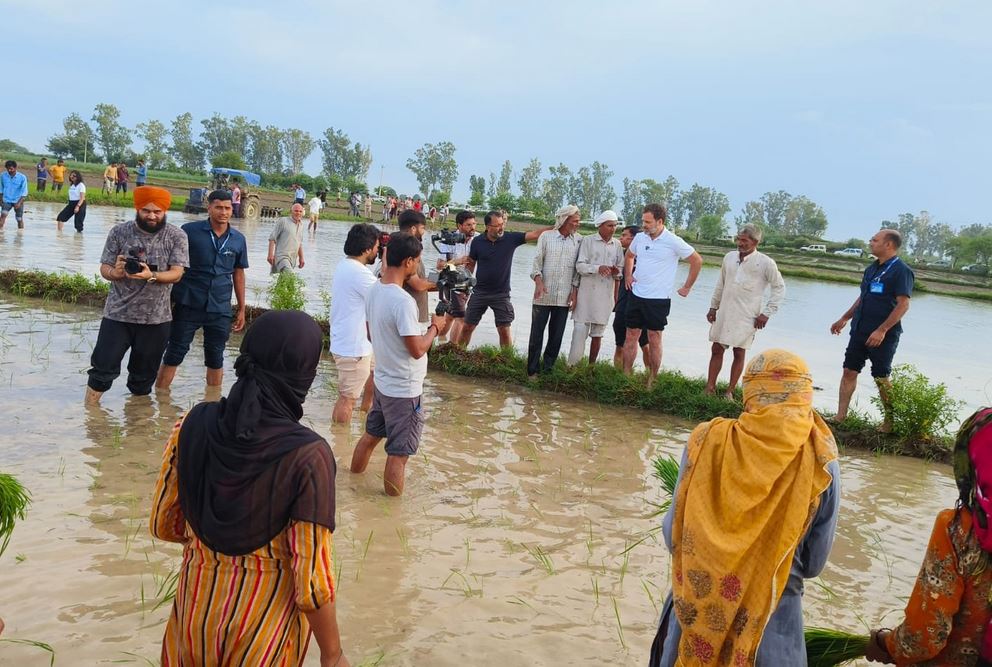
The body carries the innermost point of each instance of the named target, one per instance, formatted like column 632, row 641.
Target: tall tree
column 185, row 150
column 156, row 137
column 75, row 141
column 676, row 202
column 334, row 148
column 530, row 180
column 114, row 138
column 632, row 201
column 297, row 145
column 491, row 188
column 905, row 224
column 503, row 185
column 753, row 213
column 775, row 204
column 265, row 153
column 803, row 217
column 359, row 162
column 701, row 200
column 556, row 187
column 435, row 167
column 601, row 194
column 477, row 186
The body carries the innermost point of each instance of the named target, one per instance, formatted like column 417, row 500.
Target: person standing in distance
column 15, row 191
column 76, row 208
column 42, row 169
column 736, row 311
column 886, row 288
column 58, row 175
column 553, row 272
column 401, row 364
column 350, row 343
column 492, row 253
column 218, row 257
column 142, row 259
column 657, row 252
column 315, row 204
column 286, row 242
column 142, row 174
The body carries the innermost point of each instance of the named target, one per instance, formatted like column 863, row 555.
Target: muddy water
column 450, row 574
column 942, row 335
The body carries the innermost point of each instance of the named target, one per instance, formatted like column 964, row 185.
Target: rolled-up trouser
column 581, row 331
column 146, row 342
column 185, row 321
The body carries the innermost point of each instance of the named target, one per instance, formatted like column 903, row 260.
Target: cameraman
column 218, row 259
column 413, row 223
column 141, row 259
column 349, row 333
column 458, row 256
column 401, row 364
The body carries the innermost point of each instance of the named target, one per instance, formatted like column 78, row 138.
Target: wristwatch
column 154, row 278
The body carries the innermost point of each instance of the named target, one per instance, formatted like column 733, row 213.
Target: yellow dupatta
column 746, row 499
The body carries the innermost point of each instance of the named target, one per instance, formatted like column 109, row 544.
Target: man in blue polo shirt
column 15, row 191
column 218, row 257
column 493, row 254
column 886, row 288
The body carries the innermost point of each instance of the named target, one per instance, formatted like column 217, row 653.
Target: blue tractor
column 251, row 207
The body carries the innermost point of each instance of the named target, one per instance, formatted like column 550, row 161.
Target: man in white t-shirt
column 457, row 255
column 349, row 333
column 657, row 252
column 314, row 205
column 401, row 364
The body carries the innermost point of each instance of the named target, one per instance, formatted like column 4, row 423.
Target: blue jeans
column 185, row 321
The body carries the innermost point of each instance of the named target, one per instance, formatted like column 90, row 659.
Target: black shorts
column 650, row 314
column 478, row 303
column 881, row 357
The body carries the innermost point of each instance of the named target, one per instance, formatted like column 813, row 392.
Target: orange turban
column 149, row 194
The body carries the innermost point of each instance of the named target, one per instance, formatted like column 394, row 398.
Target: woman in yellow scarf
column 754, row 514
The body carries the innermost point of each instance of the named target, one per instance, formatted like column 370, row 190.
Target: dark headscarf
column 246, row 466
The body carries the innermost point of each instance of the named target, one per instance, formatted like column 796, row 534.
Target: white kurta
column 738, row 297
column 595, row 299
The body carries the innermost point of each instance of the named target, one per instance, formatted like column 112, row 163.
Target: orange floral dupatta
column 747, row 496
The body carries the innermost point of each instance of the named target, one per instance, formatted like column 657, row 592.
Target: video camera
column 448, row 237
column 452, row 279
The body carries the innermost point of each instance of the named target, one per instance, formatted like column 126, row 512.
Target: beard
column 151, row 228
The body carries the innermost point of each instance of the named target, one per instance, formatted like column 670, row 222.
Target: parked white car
column 850, row 252
column 816, row 247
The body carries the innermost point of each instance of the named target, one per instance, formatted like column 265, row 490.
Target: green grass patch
column 64, row 287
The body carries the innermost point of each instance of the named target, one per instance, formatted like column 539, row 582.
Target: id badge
column 876, row 287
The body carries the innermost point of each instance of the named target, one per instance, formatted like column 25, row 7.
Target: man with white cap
column 597, row 276
column 553, row 272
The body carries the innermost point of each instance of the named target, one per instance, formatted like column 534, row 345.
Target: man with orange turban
column 142, row 259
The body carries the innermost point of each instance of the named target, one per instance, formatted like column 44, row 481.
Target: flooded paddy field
column 511, row 545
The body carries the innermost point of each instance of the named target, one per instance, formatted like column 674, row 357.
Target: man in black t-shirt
column 492, row 253
column 886, row 288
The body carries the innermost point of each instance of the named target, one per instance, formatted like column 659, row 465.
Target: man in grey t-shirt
column 286, row 242
column 400, row 351
column 142, row 259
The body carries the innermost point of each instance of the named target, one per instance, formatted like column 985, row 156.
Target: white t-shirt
column 657, row 261
column 352, row 281
column 392, row 314
column 76, row 191
column 316, row 205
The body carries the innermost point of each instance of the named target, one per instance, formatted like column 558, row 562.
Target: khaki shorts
column 353, row 372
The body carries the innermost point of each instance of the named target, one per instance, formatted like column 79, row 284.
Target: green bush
column 287, row 292
column 921, row 410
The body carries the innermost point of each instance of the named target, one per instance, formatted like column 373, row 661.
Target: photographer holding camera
column 456, row 254
column 141, row 259
column 401, row 364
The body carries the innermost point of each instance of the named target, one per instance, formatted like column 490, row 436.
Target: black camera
column 448, row 237
column 134, row 259
column 452, row 279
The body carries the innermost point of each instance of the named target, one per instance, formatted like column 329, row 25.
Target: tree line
column 237, row 143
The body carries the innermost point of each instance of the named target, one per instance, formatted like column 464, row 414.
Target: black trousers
column 70, row 212
column 554, row 318
column 146, row 342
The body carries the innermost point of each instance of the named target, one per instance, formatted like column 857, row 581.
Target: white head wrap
column 564, row 213
column 606, row 216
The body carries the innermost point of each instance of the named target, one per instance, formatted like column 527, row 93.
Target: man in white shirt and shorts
column 657, row 252
column 350, row 343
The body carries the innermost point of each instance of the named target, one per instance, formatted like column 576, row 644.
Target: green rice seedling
column 167, row 586
column 542, row 557
column 516, row 599
column 828, row 648
column 624, row 565
column 30, row 642
column 616, row 611
column 468, row 551
column 374, row 660
column 666, row 470
column 286, row 292
column 368, row 543
column 466, row 588
column 14, row 501
column 137, row 658
column 20, row 558
column 647, row 590
column 404, row 539
column 595, row 588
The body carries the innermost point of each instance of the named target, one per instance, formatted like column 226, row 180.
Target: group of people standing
column 117, row 176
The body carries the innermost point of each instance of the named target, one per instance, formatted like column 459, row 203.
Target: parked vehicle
column 850, row 252
column 979, row 269
column 940, row 264
column 816, row 247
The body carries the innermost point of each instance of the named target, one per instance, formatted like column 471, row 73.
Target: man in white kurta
column 736, row 310
column 597, row 274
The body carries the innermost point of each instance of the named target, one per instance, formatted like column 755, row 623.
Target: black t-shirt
column 877, row 303
column 493, row 260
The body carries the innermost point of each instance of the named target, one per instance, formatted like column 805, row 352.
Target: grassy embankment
column 673, row 393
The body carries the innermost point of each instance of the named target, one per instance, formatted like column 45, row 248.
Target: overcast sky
column 869, row 108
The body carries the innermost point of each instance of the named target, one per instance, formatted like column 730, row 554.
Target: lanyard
column 884, row 269
column 227, row 237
